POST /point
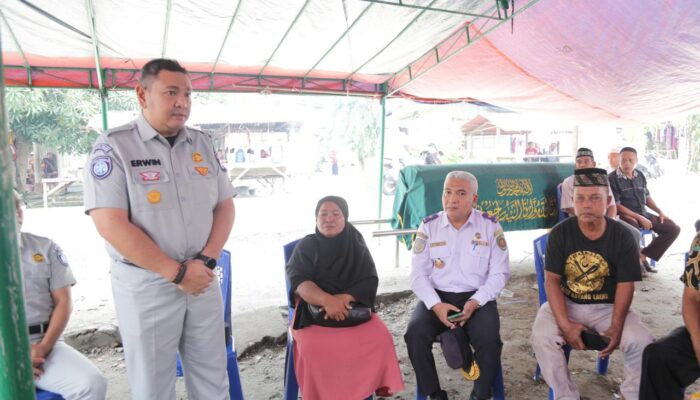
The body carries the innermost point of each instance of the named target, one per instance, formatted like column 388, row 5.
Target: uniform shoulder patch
column 500, row 239
column 101, row 147
column 60, row 256
column 491, row 218
column 101, row 167
column 430, row 218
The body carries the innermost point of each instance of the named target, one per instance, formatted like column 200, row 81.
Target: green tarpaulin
column 522, row 196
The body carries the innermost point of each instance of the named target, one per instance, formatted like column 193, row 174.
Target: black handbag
column 357, row 315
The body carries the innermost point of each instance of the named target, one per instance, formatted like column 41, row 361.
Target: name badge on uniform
column 438, row 244
column 477, row 240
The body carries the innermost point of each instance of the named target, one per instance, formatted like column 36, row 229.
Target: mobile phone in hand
column 456, row 315
column 593, row 340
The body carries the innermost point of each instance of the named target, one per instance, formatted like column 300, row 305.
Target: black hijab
column 341, row 264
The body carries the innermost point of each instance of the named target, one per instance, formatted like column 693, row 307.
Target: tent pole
column 16, row 381
column 105, row 110
column 381, row 157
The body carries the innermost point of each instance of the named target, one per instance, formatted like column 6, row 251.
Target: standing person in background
column 334, row 163
column 164, row 204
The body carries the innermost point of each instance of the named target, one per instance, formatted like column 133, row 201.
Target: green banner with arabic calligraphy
column 522, row 196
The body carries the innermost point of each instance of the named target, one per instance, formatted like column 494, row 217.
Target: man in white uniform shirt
column 460, row 264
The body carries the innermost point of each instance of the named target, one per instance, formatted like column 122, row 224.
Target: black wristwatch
column 208, row 261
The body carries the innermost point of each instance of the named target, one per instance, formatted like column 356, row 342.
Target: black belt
column 40, row 328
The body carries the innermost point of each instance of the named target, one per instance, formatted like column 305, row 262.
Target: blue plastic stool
column 540, row 245
column 223, row 272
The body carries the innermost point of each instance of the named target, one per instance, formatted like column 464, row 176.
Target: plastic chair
column 540, row 245
column 44, row 395
column 223, row 273
column 291, row 386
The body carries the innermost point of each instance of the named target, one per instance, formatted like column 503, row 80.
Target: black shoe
column 439, row 395
column 473, row 396
column 648, row 267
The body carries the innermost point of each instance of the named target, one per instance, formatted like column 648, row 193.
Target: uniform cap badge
column 153, row 197
column 197, row 157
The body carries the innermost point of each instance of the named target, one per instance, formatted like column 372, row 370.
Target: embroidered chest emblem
column 150, row 176
column 204, row 171
column 153, row 197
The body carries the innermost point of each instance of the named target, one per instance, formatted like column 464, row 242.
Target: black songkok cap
column 584, row 152
column 591, row 177
column 622, row 150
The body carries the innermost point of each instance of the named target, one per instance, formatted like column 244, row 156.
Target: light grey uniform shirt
column 170, row 192
column 472, row 258
column 45, row 269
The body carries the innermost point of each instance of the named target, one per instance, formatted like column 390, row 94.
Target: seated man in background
column 673, row 362
column 584, row 159
column 460, row 264
column 590, row 270
column 47, row 278
column 630, row 190
column 614, row 159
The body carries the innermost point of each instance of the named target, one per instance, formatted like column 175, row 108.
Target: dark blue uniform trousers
column 483, row 331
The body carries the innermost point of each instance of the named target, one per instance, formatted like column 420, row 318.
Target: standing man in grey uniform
column 160, row 198
column 460, row 264
column 47, row 278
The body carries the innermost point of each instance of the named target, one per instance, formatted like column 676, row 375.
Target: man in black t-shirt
column 591, row 265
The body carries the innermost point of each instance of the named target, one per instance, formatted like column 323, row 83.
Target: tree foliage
column 357, row 120
column 58, row 118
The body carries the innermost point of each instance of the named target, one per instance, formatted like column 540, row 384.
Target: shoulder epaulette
column 491, row 218
column 123, row 128
column 430, row 218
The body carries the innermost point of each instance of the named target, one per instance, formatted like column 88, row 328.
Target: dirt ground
column 657, row 299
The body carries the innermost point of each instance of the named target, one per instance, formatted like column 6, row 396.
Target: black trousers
column 667, row 234
column 483, row 329
column 668, row 366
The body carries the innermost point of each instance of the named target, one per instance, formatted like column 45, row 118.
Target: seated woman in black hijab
column 333, row 269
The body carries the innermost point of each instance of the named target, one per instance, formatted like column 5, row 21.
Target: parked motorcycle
column 391, row 176
column 651, row 167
